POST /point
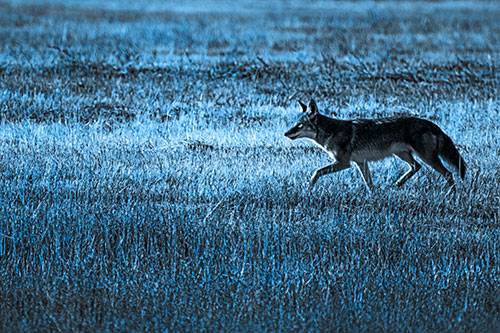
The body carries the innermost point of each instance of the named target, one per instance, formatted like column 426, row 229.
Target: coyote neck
column 326, row 128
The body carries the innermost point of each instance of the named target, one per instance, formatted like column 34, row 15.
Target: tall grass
column 145, row 182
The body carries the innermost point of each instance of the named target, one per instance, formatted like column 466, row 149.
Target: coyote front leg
column 331, row 168
column 365, row 173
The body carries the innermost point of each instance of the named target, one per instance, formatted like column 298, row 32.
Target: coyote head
column 307, row 126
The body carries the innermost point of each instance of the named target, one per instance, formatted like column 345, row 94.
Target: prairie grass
column 145, row 182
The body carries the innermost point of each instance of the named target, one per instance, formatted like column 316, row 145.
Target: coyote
column 364, row 140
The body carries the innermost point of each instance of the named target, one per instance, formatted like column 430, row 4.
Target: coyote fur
column 364, row 140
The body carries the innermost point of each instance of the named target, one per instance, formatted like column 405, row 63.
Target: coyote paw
column 314, row 179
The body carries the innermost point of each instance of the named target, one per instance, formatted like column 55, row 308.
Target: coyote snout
column 364, row 140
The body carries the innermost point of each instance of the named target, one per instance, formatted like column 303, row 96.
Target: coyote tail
column 450, row 154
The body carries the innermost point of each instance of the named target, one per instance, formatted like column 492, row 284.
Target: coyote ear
column 303, row 106
column 313, row 108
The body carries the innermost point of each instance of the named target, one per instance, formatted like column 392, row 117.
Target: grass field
column 146, row 184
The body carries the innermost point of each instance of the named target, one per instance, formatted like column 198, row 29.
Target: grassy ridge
column 145, row 182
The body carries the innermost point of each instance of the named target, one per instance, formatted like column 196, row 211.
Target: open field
column 145, row 182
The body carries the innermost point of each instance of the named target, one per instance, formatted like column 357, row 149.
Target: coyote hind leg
column 414, row 166
column 434, row 161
